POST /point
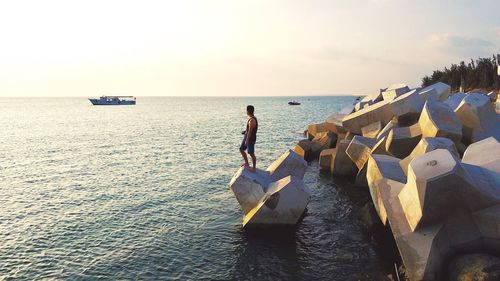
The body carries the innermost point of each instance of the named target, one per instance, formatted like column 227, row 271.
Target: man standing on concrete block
column 249, row 138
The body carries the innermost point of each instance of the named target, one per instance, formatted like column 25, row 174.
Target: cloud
column 461, row 45
column 497, row 31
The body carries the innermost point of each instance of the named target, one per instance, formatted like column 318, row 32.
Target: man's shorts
column 251, row 146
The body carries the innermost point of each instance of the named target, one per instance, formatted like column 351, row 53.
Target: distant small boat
column 114, row 100
column 294, row 102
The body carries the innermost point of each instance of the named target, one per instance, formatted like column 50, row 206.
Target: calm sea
column 141, row 192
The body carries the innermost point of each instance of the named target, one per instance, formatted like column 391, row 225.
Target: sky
column 235, row 47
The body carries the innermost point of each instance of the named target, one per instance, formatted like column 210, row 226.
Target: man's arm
column 251, row 127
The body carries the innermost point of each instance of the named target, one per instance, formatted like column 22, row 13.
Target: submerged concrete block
column 359, row 150
column 402, row 140
column 438, row 120
column 283, row 204
column 394, row 91
column 289, row 163
column 343, row 165
column 381, row 167
column 249, row 188
column 426, row 145
column 372, row 130
column 380, row 111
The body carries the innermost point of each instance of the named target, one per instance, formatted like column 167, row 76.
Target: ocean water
column 141, row 193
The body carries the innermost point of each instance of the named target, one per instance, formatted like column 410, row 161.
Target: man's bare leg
column 254, row 161
column 243, row 153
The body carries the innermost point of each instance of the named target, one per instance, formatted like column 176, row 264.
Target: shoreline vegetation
column 430, row 160
column 476, row 75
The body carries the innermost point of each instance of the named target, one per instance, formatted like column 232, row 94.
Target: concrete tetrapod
column 314, row 129
column 380, row 111
column 401, row 141
column 439, row 91
column 426, row 145
column 326, row 159
column 382, row 167
column 259, row 193
column 485, row 153
column 326, row 140
column 439, row 188
column 407, row 107
column 373, row 97
column 438, row 120
column 478, row 118
column 342, row 164
column 467, row 215
column 394, row 91
column 307, row 149
column 359, row 150
column 454, row 100
column 289, row 163
column 249, row 188
column 372, row 130
column 283, row 204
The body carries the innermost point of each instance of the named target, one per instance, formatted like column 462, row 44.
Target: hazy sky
column 235, row 47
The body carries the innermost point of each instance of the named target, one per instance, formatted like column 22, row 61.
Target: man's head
column 250, row 110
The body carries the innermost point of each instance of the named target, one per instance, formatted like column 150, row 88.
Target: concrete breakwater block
column 310, row 149
column 382, row 167
column 426, row 145
column 441, row 210
column 326, row 159
column 454, row 100
column 342, row 164
column 437, row 92
column 394, row 91
column 359, row 150
column 249, row 188
column 380, row 111
column 288, row 164
column 373, row 97
column 478, row 117
column 401, row 141
column 326, row 140
column 307, row 149
column 372, row 130
column 438, row 120
column 314, row 129
column 283, row 203
column 275, row 196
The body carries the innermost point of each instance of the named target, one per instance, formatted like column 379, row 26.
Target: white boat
column 114, row 100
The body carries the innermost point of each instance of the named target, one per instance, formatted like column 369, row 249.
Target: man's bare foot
column 244, row 164
column 253, row 170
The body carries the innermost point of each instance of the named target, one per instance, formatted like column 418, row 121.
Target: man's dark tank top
column 253, row 137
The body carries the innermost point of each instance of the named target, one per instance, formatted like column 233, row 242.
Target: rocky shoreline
column 431, row 161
